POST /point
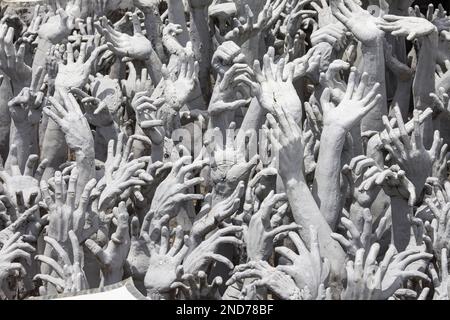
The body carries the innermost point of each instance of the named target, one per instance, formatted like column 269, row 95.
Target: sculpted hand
column 409, row 152
column 31, row 32
column 26, row 108
column 71, row 120
column 112, row 259
column 136, row 47
column 308, row 268
column 97, row 112
column 396, row 269
column 241, row 33
column 69, row 276
column 438, row 17
column 178, row 88
column 12, row 251
column 439, row 228
column 135, row 84
column 23, row 186
column 176, row 188
column 75, row 73
column 169, row 39
column 364, row 276
column 196, row 287
column 12, row 62
column 286, row 138
column 260, row 234
column 65, row 213
column 29, row 225
column 138, row 259
column 359, row 172
column 108, row 90
column 165, row 263
column 200, row 257
column 441, row 284
column 409, row 27
column 233, row 80
column 276, row 90
column 276, row 281
column 121, row 173
column 354, row 106
column 332, row 79
column 325, row 14
column 360, row 236
column 57, row 28
column 210, row 217
column 359, row 21
column 228, row 163
column 441, row 102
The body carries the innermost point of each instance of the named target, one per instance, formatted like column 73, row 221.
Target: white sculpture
column 224, row 150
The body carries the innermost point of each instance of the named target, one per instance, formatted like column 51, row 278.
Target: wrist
column 85, row 155
column 333, row 131
column 294, row 184
column 292, row 179
column 431, row 41
column 434, row 36
column 374, row 43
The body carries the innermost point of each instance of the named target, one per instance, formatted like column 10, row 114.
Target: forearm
column 25, row 137
column 253, row 119
column 85, row 159
column 41, row 54
column 202, row 46
column 102, row 138
column 424, row 82
column 54, row 148
column 326, row 187
column 306, row 213
column 402, row 97
column 373, row 63
column 153, row 25
column 5, row 118
column 176, row 16
column 154, row 67
column 401, row 226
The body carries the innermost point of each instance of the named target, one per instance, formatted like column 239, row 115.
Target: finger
column 59, row 249
column 52, row 263
column 75, row 247
column 96, row 250
column 70, row 199
column 30, row 164
column 59, row 283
